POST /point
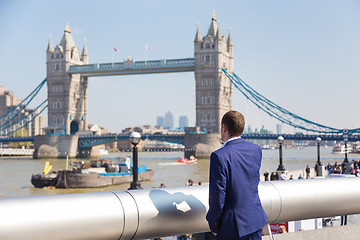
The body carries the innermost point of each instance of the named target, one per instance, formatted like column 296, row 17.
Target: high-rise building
column 278, row 128
column 183, row 122
column 169, row 120
column 7, row 100
column 160, row 121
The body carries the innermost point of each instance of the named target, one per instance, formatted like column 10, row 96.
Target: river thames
column 15, row 172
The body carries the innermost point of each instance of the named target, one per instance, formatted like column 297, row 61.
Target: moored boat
column 97, row 174
column 340, row 148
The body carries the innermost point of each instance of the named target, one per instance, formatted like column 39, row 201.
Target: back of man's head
column 235, row 123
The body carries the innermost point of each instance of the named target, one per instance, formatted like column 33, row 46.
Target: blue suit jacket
column 235, row 208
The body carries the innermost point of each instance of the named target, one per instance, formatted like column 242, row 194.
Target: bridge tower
column 67, row 93
column 213, row 89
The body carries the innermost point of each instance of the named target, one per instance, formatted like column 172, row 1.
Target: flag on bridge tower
column 147, row 47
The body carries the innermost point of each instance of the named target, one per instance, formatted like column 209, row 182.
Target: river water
column 15, row 172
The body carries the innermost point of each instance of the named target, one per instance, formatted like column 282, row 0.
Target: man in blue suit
column 235, row 208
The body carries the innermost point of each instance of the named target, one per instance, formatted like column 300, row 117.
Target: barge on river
column 98, row 173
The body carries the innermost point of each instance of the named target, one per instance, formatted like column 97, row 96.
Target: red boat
column 187, row 161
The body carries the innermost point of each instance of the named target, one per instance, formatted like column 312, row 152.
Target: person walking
column 235, row 210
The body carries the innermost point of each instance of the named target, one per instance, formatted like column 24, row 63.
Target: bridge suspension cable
column 280, row 113
column 25, row 120
column 13, row 121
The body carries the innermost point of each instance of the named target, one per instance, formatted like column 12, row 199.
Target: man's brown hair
column 235, row 123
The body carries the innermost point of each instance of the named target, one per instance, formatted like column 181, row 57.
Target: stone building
column 8, row 101
column 125, row 145
column 213, row 89
column 67, row 93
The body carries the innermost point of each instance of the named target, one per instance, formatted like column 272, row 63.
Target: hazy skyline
column 303, row 55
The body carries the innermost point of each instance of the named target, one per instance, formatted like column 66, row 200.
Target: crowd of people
column 274, row 176
column 337, row 168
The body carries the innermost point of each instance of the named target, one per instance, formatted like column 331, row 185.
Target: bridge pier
column 84, row 152
column 55, row 146
column 62, row 146
column 88, row 152
column 201, row 145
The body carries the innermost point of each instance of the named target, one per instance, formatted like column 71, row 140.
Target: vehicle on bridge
column 97, row 173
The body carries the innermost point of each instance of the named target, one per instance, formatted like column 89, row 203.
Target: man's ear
column 224, row 127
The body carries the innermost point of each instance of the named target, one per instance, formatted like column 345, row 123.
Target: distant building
column 278, row 128
column 160, row 121
column 169, row 120
column 264, row 131
column 96, row 129
column 183, row 122
column 248, row 129
column 146, row 129
column 8, row 101
column 125, row 145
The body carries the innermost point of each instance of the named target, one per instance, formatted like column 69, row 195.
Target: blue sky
column 303, row 55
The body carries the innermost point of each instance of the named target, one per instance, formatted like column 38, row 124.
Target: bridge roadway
column 88, row 141
column 134, row 67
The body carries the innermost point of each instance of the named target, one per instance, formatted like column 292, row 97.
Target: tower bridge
column 68, row 73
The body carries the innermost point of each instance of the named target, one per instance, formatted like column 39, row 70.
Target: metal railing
column 149, row 213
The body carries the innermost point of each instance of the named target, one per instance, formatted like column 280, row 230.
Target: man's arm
column 217, row 192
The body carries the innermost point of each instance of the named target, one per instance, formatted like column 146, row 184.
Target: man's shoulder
column 233, row 144
column 252, row 144
column 243, row 143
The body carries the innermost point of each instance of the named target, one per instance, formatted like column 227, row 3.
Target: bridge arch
column 74, row 127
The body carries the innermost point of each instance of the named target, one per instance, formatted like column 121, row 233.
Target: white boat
column 340, row 148
column 267, row 147
column 103, row 152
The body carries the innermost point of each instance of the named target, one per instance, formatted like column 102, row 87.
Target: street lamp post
column 346, row 158
column 318, row 141
column 135, row 138
column 281, row 166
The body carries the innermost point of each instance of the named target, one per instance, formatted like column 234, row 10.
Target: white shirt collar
column 230, row 140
